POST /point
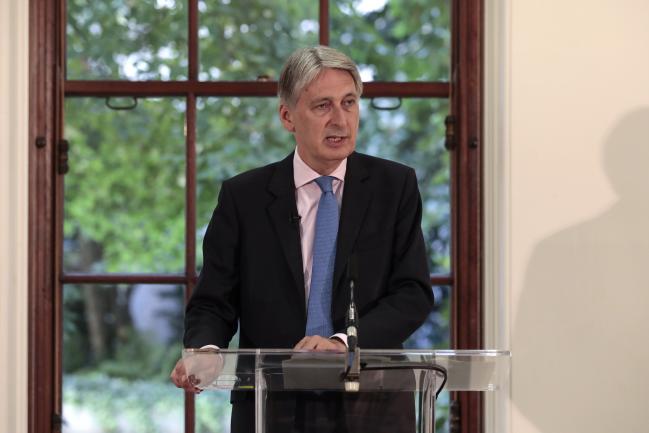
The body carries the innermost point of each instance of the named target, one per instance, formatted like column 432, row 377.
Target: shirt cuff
column 341, row 337
column 210, row 346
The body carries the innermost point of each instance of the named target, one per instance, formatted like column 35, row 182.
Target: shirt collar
column 303, row 174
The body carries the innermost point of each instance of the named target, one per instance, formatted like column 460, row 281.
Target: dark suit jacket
column 252, row 266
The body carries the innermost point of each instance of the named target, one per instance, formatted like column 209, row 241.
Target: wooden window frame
column 48, row 88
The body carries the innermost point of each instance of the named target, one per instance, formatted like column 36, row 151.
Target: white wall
column 13, row 214
column 569, row 134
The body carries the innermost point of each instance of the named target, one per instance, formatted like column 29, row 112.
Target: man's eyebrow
column 331, row 98
column 321, row 99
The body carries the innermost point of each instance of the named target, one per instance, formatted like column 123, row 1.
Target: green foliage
column 406, row 40
column 139, row 358
column 124, row 193
column 127, row 39
column 99, row 333
column 234, row 36
column 121, row 405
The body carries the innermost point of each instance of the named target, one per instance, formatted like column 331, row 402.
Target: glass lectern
column 303, row 391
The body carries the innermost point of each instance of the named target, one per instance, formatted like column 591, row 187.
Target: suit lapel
column 281, row 212
column 356, row 198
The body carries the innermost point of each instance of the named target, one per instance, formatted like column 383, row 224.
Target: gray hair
column 306, row 64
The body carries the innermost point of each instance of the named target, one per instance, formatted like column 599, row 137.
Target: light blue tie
column 324, row 256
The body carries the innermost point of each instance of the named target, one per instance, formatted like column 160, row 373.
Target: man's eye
column 322, row 106
column 349, row 102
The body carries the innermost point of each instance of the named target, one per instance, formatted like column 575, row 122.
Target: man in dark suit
column 262, row 253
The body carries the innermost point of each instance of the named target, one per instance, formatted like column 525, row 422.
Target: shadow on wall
column 581, row 332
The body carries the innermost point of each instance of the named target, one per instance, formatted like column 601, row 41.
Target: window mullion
column 190, row 226
column 323, row 19
column 192, row 40
column 190, row 189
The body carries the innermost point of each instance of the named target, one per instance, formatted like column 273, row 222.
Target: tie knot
column 325, row 183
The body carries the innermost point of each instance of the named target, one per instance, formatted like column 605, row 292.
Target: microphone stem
column 352, row 361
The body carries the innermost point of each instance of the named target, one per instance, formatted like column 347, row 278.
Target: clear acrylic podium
column 395, row 386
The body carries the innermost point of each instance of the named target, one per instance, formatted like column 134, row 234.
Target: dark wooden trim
column 193, row 63
column 441, row 280
column 57, row 112
column 323, row 20
column 190, row 187
column 126, row 279
column 411, row 89
column 42, row 353
column 190, row 232
column 466, row 103
column 169, row 88
column 467, row 188
column 190, row 413
column 373, row 89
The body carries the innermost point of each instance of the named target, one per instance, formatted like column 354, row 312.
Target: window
column 160, row 101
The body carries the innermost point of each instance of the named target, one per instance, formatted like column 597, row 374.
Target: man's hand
column 320, row 344
column 180, row 378
column 197, row 370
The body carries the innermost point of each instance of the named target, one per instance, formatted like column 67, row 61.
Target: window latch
column 450, row 142
column 63, row 148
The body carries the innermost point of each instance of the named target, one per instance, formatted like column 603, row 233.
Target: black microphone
column 352, row 372
column 352, row 315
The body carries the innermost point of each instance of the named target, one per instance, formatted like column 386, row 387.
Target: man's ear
column 286, row 117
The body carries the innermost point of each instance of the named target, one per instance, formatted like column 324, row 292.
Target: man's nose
column 337, row 116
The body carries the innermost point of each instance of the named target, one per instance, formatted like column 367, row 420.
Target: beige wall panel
column 579, row 232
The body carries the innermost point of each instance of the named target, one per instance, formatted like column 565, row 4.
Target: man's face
column 324, row 120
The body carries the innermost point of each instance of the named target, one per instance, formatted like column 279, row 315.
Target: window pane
column 119, row 346
column 394, row 40
column 413, row 134
column 237, row 134
column 435, row 333
column 233, row 135
column 124, row 193
column 244, row 40
column 128, row 40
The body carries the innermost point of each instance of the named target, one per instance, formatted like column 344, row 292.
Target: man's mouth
column 335, row 138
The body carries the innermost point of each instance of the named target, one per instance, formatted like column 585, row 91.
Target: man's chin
column 338, row 154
